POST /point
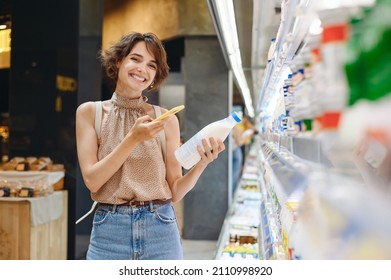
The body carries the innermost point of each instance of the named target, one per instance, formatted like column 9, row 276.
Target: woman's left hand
column 211, row 153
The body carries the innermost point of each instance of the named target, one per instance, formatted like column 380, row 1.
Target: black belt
column 142, row 203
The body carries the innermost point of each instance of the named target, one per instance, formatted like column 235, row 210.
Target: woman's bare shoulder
column 90, row 106
column 86, row 107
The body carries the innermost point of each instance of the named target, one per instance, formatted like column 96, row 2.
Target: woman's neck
column 127, row 93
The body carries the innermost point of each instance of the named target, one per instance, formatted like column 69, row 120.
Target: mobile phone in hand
column 171, row 112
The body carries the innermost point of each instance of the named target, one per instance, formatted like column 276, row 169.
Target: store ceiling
column 257, row 23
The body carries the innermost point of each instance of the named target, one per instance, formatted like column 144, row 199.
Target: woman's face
column 137, row 70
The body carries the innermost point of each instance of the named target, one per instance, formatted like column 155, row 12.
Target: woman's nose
column 141, row 69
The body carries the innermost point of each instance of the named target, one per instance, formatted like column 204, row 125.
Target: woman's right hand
column 144, row 129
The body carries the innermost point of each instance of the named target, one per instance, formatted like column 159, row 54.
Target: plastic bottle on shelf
column 187, row 154
column 288, row 93
column 333, row 48
column 271, row 50
column 303, row 97
column 294, row 253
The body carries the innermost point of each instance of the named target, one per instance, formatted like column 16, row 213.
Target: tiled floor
column 192, row 249
column 199, row 249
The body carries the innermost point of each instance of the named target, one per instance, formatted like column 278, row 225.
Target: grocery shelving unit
column 306, row 211
column 325, row 214
column 315, row 203
column 319, row 204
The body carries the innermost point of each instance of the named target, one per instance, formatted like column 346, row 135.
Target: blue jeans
column 237, row 161
column 148, row 232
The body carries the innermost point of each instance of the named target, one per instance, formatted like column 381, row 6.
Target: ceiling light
column 223, row 15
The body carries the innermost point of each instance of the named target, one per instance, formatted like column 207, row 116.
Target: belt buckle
column 135, row 204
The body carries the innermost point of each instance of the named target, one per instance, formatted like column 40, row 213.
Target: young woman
column 121, row 160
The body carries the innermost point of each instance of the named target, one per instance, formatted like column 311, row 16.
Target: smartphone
column 170, row 112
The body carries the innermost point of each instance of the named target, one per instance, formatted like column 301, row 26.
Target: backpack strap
column 162, row 134
column 98, row 117
column 88, row 213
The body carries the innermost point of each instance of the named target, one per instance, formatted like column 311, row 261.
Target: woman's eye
column 153, row 66
column 134, row 58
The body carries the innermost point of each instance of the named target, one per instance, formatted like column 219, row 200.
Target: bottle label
column 190, row 146
column 189, row 149
column 188, row 155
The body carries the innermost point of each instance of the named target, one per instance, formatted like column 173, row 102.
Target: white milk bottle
column 187, row 154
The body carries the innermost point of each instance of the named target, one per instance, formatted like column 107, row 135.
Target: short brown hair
column 123, row 47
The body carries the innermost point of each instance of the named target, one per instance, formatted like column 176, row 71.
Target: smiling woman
column 117, row 143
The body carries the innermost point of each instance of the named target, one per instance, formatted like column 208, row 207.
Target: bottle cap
column 335, row 33
column 236, row 117
column 329, row 120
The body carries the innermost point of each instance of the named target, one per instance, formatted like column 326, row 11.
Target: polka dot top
column 142, row 177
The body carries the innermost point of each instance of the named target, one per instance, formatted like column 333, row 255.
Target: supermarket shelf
column 295, row 22
column 315, row 203
column 309, row 149
column 333, row 216
column 304, row 211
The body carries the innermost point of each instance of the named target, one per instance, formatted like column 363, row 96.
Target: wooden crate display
column 19, row 240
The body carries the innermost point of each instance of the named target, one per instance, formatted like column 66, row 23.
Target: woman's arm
column 180, row 185
column 96, row 173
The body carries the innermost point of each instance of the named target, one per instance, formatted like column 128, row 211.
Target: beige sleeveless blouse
column 142, row 177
